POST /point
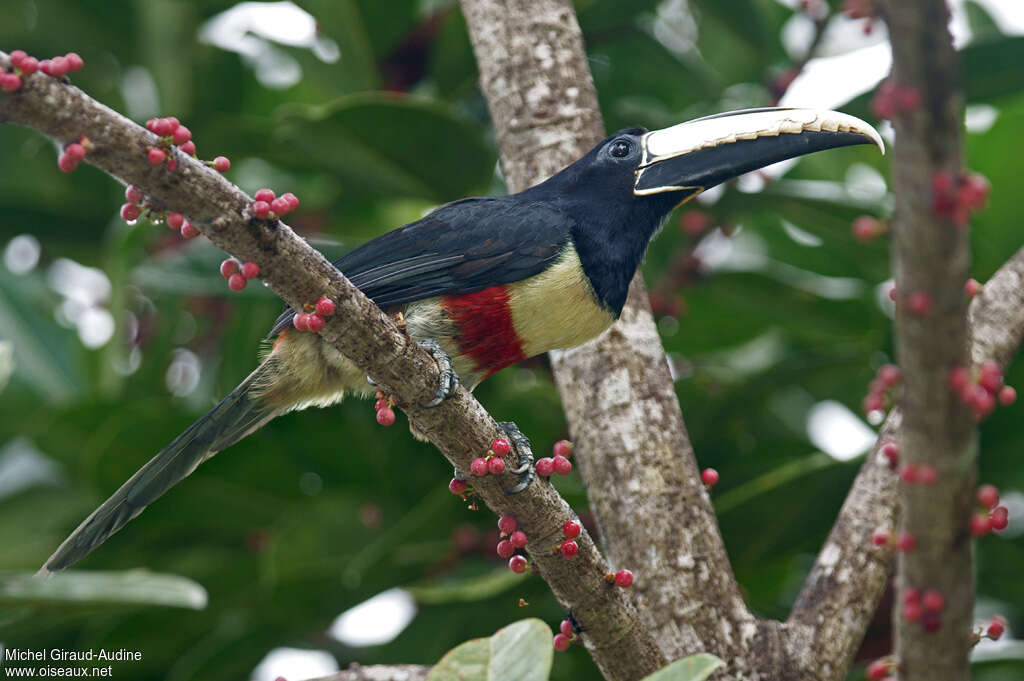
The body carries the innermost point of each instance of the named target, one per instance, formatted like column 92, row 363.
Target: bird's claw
column 524, row 456
column 448, row 380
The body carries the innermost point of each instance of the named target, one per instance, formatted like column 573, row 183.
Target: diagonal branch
column 460, row 427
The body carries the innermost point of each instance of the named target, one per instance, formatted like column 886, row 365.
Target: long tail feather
column 237, row 415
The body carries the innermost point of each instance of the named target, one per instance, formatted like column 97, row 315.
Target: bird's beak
column 699, row 154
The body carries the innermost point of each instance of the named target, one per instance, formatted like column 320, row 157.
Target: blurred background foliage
column 113, row 338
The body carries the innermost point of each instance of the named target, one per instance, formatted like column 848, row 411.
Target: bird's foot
column 448, row 381
column 524, row 456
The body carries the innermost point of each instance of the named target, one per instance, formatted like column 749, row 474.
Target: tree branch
column 460, row 427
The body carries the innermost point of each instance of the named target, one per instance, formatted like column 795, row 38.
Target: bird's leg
column 524, row 456
column 448, row 381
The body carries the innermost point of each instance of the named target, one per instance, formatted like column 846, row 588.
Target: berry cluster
column 170, row 132
column 904, row 542
column 880, row 668
column 709, row 476
column 72, row 155
column 955, row 197
column 314, row 321
column 493, row 463
column 925, row 608
column 25, row 65
column 137, row 207
column 881, row 391
column 867, row 228
column 512, row 541
column 982, row 389
column 893, row 99
column 559, row 463
column 236, row 274
column 266, row 206
column 990, row 515
column 569, row 548
column 567, row 632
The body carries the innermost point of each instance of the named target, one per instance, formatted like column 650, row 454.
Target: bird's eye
column 620, row 148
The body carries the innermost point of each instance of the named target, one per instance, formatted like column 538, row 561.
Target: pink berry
column 280, row 206
column 189, row 231
column 75, row 62
column 259, row 209
column 517, row 564
column 709, row 476
column 889, row 374
column 919, row 303
column 562, row 448
column 163, row 127
column 959, row 379
column 28, row 66
column 1000, row 518
column 972, row 287
column 973, row 192
column 315, row 322
column 9, row 82
column 906, row 542
column 16, row 56
column 175, row 220
column 250, row 270
column 45, row 66
column 181, row 135
column 911, row 595
column 990, row 377
column 933, row 600
column 988, row 496
column 566, row 628
column 505, row 549
column 300, row 322
column 151, row 125
column 623, row 578
column 931, row 621
column 891, row 451
column 501, row 447
column 156, row 156
column 910, row 473
column 236, row 282
column 59, row 67
column 264, row 195
column 866, row 228
column 507, row 524
column 75, row 151
column 878, row 670
column 912, row 612
column 880, row 537
column 981, row 524
column 188, row 148
column 571, row 529
column 130, row 211
column 561, row 642
column 478, row 467
column 996, row 628
column 1007, row 395
column 562, row 465
column 133, row 194
column 545, row 467
column 385, row 416
column 569, row 549
column 982, row 401
column 457, row 486
column 221, row 164
column 928, row 476
column 518, row 539
column 293, row 201
column 496, row 466
column 66, row 163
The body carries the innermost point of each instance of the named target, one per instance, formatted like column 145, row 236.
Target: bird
column 486, row 282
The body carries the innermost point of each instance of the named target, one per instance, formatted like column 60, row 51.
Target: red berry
column 315, row 322
column 496, row 466
column 151, row 125
column 228, row 267
column 891, row 451
column 928, row 475
column 507, row 524
column 28, row 66
column 988, row 496
column 293, row 201
column 933, row 600
column 561, row 642
column 518, row 539
column 385, row 416
column 280, row 206
column 959, row 379
column 910, row 473
column 175, row 220
column 45, row 65
column 878, row 669
column 325, row 307
column 866, row 228
column 501, row 447
column 250, row 270
column 156, row 156
column 562, row 448
column 911, row 595
column 889, row 374
column 562, row 465
column 172, row 163
column 517, row 564
column 75, row 151
column 1007, row 395
column 457, row 486
column 545, row 467
column 569, row 549
column 571, row 529
column 973, row 192
column 130, row 211
column 163, row 127
column 75, row 62
column 478, row 467
column 912, row 611
column 566, row 628
column 380, row 404
column 623, row 578
column 59, row 67
column 709, row 476
column 9, row 82
column 981, row 524
column 505, row 549
column 931, row 621
column 67, row 163
column 236, row 282
column 990, row 377
column 264, row 195
column 181, row 135
column 972, row 287
column 133, row 194
column 16, row 56
column 189, row 231
column 259, row 209
column 982, row 401
column 1000, row 518
column 996, row 627
column 919, row 303
column 300, row 322
column 188, row 148
column 906, row 542
column 880, row 537
column 221, row 164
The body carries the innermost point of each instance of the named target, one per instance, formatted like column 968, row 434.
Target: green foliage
column 694, row 668
column 324, row 509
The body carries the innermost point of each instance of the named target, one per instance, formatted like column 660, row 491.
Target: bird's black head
column 623, row 189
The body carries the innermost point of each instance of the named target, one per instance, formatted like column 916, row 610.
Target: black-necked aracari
column 494, row 280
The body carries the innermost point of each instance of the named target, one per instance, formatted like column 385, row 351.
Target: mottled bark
column 459, row 427
column 930, row 257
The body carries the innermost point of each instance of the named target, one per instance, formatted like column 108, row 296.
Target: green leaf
column 694, row 668
column 135, row 587
column 466, row 662
column 521, row 652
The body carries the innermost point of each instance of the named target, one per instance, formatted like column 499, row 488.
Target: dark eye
column 620, row 148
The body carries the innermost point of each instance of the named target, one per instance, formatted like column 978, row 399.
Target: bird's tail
column 237, row 415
